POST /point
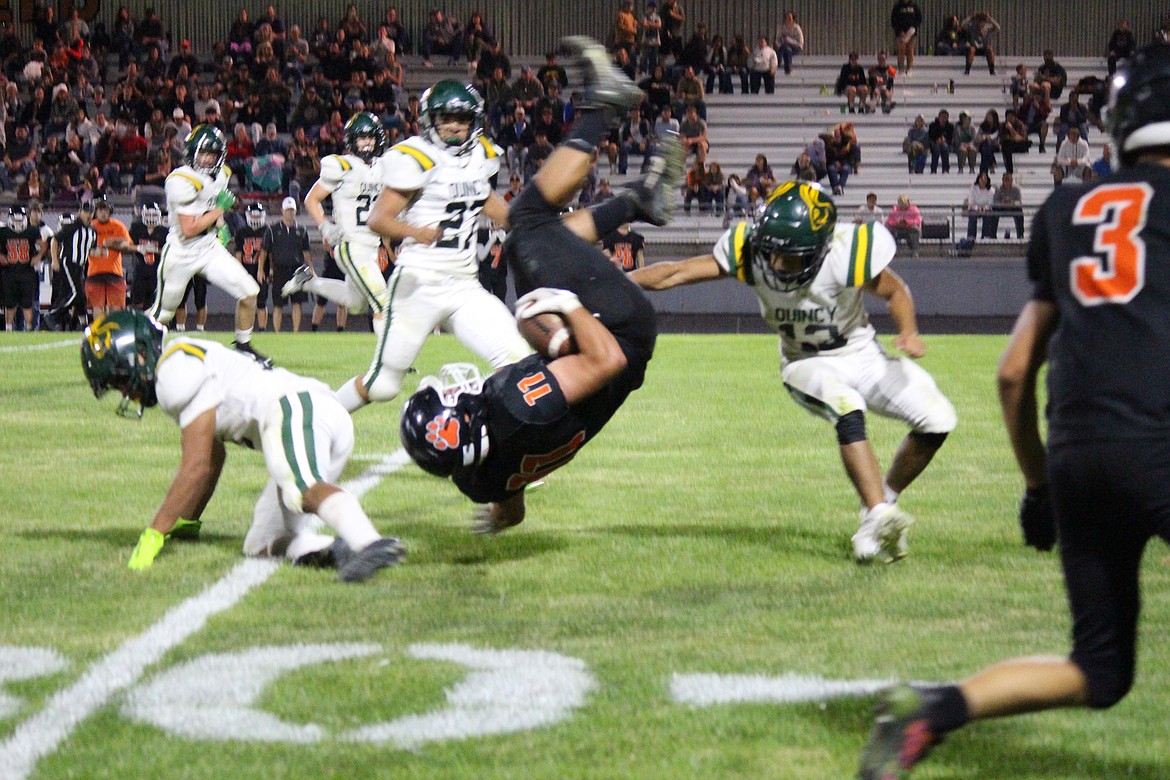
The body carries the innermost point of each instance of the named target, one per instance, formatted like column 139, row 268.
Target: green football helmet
column 205, row 139
column 365, row 125
column 451, row 98
column 121, row 350
column 797, row 220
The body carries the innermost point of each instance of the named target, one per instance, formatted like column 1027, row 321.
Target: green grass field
column 699, row 547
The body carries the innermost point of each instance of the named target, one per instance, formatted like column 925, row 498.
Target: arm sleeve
column 732, row 254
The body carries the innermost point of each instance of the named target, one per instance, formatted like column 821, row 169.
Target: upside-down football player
column 217, row 394
column 495, row 436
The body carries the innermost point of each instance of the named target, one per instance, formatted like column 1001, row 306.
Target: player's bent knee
column 930, row 440
column 1108, row 684
column 384, row 388
column 851, row 428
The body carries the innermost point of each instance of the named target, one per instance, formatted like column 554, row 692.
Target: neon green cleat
column 185, row 529
column 149, row 545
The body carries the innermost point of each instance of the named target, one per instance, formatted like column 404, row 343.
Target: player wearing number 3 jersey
column 434, row 187
column 811, row 275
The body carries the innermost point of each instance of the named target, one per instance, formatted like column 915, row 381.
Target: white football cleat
column 882, row 535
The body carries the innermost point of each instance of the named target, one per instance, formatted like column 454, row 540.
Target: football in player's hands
column 547, row 333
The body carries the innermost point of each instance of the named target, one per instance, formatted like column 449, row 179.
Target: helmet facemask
column 17, row 219
column 255, row 216
column 443, row 425
column 151, row 216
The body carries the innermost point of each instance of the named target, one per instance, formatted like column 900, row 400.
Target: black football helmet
column 151, row 215
column 256, row 215
column 18, row 218
column 798, row 219
column 1139, row 114
column 444, row 424
column 365, row 126
column 121, row 350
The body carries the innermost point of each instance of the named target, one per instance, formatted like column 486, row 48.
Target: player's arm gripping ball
column 332, row 234
column 1036, row 519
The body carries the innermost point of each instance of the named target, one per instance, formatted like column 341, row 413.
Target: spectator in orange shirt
column 105, row 285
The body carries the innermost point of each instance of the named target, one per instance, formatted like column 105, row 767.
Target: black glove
column 1036, row 519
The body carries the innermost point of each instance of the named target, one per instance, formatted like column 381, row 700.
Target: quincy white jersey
column 191, row 192
column 355, row 186
column 196, row 375
column 450, row 192
column 826, row 316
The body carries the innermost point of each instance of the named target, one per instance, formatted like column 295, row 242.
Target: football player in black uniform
column 149, row 235
column 1099, row 262
column 494, row 437
column 247, row 243
column 20, row 252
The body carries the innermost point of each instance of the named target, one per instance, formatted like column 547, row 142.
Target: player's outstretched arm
column 500, row 515
column 663, row 276
column 385, row 222
column 888, row 286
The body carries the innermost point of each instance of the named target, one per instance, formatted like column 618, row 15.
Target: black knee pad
column 851, row 428
column 934, row 440
column 1108, row 684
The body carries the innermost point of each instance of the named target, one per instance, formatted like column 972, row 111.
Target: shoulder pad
column 860, row 252
column 183, row 186
column 733, row 252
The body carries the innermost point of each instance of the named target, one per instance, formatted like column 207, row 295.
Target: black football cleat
column 247, row 348
column 377, row 555
column 605, row 84
column 653, row 195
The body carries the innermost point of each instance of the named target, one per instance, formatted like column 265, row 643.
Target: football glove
column 224, row 234
column 1036, row 519
column 149, row 545
column 332, row 234
column 225, row 200
column 543, row 300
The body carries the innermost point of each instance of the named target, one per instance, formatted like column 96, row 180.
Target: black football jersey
column 150, row 241
column 248, row 242
column 532, row 430
column 1101, row 253
column 20, row 248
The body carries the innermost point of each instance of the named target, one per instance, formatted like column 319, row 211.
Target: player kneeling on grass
column 218, row 394
column 494, row 437
column 810, row 275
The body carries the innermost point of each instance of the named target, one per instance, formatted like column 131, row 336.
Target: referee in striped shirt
column 70, row 254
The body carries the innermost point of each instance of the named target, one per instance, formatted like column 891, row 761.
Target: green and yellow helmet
column 205, row 139
column 451, row 98
column 798, row 219
column 121, row 350
column 364, row 125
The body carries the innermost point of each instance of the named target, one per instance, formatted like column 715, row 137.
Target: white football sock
column 348, row 395
column 344, row 514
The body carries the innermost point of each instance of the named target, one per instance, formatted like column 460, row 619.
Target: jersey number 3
column 1118, row 272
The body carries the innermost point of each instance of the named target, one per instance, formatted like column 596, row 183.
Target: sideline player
column 353, row 180
column 810, row 275
column 197, row 197
column 148, row 234
column 1101, row 290
column 216, row 394
column 434, row 187
column 21, row 250
column 247, row 243
column 494, row 437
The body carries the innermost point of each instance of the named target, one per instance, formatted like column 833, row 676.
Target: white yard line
column 40, row 735
column 36, row 347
